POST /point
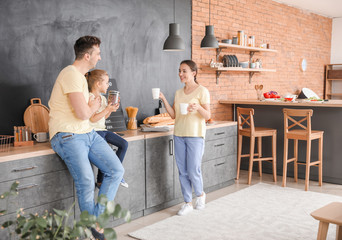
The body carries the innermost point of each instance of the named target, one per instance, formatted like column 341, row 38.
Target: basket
column 5, row 143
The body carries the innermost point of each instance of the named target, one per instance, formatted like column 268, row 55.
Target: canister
column 113, row 96
column 241, row 36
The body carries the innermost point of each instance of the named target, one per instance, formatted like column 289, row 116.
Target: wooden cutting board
column 36, row 116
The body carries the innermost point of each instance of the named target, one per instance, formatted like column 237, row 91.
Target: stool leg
column 295, row 162
column 322, row 230
column 320, row 159
column 286, row 145
column 259, row 155
column 307, row 166
column 274, row 155
column 239, row 156
column 338, row 232
column 251, row 157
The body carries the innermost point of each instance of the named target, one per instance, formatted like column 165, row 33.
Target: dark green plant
column 57, row 225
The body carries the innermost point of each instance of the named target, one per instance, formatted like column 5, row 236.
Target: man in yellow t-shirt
column 72, row 137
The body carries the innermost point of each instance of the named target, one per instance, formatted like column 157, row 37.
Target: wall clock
column 303, row 65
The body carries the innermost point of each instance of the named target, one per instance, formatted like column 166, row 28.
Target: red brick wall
column 294, row 33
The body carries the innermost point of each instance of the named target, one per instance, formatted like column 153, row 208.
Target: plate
column 309, row 93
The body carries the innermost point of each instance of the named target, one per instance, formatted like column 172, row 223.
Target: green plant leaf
column 58, row 219
column 7, row 224
column 88, row 232
column 27, row 226
column 14, row 186
column 61, row 212
column 117, row 210
column 77, row 232
column 102, row 199
column 41, row 222
column 2, row 212
column 103, row 219
column 109, row 233
column 110, row 207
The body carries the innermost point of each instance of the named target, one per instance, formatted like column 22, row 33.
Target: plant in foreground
column 58, row 225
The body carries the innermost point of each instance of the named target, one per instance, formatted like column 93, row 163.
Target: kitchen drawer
column 222, row 132
column 219, row 170
column 219, row 148
column 38, row 190
column 30, row 166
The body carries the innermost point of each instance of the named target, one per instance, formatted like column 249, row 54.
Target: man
column 71, row 136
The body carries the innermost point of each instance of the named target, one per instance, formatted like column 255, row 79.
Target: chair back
column 297, row 119
column 245, row 119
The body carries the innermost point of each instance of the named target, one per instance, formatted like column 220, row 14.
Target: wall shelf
column 251, row 50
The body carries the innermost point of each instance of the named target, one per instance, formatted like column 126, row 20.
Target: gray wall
column 37, row 38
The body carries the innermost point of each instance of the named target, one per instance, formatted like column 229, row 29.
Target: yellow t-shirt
column 62, row 114
column 101, row 124
column 191, row 124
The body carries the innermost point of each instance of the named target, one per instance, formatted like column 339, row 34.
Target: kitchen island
column 327, row 116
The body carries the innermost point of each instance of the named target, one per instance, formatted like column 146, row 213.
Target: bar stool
column 246, row 128
column 297, row 118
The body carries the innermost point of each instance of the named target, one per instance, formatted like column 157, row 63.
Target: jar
column 251, row 41
column 132, row 123
column 113, row 97
column 241, row 36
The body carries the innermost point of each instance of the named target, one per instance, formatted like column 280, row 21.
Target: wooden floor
column 124, row 229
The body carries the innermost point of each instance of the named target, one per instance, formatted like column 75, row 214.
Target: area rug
column 261, row 211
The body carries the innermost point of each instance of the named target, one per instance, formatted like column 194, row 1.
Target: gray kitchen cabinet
column 133, row 197
column 159, row 170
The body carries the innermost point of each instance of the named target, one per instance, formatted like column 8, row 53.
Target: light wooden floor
column 134, row 225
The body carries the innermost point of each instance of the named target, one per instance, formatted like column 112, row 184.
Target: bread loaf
column 157, row 118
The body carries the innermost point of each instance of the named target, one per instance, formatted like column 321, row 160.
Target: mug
column 155, row 93
column 41, row 136
column 184, row 108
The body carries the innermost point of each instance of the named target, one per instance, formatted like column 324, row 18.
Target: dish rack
column 5, row 143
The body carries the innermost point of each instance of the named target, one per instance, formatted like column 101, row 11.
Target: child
column 98, row 82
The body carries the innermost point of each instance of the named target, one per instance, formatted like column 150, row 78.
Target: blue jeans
column 188, row 153
column 78, row 151
column 117, row 141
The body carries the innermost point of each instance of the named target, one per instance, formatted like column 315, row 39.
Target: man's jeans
column 78, row 151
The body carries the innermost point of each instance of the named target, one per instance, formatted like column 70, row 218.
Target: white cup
column 41, row 136
column 184, row 108
column 155, row 93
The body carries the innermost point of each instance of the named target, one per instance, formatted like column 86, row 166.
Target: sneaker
column 96, row 234
column 123, row 183
column 186, row 208
column 200, row 202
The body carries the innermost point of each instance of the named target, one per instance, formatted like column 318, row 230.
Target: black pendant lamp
column 209, row 40
column 174, row 42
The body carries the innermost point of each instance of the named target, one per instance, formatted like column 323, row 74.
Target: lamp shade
column 209, row 40
column 174, row 42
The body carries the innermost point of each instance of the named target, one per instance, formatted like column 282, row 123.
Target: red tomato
column 267, row 95
column 272, row 95
column 277, row 96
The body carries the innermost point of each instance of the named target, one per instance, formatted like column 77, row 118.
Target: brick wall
column 294, row 33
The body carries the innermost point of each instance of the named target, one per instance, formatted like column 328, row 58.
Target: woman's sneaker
column 186, row 208
column 97, row 235
column 123, row 183
column 200, row 202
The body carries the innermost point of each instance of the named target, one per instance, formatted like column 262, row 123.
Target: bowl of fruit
column 271, row 95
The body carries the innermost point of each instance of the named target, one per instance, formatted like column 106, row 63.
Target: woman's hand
column 193, row 107
column 161, row 96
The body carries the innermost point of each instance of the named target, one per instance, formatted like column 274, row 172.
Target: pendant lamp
column 209, row 40
column 174, row 42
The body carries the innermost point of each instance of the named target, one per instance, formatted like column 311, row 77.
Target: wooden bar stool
column 246, row 128
column 331, row 213
column 297, row 118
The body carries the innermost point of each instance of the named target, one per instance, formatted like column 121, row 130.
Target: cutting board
column 36, row 116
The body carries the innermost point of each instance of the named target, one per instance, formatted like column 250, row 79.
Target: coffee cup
column 41, row 136
column 155, row 93
column 184, row 108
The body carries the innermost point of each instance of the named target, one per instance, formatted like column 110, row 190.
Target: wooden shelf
column 251, row 49
column 333, row 72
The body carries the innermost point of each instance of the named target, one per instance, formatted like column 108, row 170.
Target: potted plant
column 57, row 224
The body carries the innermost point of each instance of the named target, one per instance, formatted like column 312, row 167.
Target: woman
column 189, row 133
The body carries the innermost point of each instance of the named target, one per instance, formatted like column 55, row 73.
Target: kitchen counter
column 40, row 149
column 330, row 103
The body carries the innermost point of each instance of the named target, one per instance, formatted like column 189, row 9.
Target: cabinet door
column 159, row 170
column 133, row 197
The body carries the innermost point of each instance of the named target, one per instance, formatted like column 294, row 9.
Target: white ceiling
column 327, row 8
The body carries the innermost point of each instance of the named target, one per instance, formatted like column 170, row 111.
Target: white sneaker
column 200, row 202
column 186, row 208
column 123, row 183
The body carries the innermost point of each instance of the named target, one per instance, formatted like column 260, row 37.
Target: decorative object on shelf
column 174, row 42
column 259, row 88
column 209, row 40
column 303, row 65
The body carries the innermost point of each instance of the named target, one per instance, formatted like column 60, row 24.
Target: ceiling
column 327, row 8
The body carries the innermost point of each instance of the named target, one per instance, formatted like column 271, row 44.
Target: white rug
column 262, row 211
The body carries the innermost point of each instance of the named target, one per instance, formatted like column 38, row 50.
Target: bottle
column 241, row 38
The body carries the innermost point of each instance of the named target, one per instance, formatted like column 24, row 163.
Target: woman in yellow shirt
column 189, row 133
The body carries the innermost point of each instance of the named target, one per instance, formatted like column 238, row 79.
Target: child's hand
column 112, row 107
